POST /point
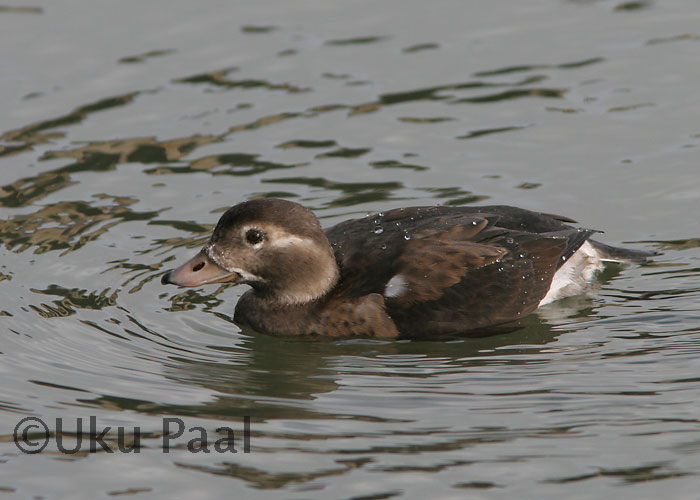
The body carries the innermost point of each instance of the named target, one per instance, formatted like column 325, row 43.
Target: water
column 127, row 128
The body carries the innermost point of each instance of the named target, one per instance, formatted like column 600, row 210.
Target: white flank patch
column 574, row 276
column 395, row 287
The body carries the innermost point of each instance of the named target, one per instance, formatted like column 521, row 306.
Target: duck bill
column 199, row 270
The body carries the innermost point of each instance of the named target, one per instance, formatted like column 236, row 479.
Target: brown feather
column 437, row 259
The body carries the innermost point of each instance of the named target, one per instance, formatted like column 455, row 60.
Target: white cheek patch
column 245, row 274
column 396, row 286
column 285, row 240
column 276, row 237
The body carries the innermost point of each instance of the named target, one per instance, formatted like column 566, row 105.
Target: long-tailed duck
column 407, row 272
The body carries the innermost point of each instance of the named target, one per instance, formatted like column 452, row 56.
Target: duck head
column 275, row 246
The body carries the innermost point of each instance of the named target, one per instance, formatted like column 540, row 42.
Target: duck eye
column 254, row 236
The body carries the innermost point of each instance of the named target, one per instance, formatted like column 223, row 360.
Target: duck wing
column 445, row 270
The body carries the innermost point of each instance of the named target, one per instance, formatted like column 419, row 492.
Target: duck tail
column 618, row 254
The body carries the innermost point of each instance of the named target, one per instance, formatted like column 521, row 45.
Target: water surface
column 127, row 128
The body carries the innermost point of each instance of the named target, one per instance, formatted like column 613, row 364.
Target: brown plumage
column 412, row 272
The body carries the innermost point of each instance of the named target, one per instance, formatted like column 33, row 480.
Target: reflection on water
column 73, row 299
column 118, row 154
column 219, row 79
column 33, row 134
column 68, row 225
column 100, row 156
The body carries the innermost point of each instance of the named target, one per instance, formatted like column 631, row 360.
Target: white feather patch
column 245, row 274
column 396, row 286
column 287, row 239
column 574, row 276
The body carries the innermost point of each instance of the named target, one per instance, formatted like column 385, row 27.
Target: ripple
column 256, row 30
column 20, row 10
column 677, row 38
column 68, row 225
column 488, row 131
column 139, row 58
column 532, row 67
column 437, row 119
column 224, row 164
column 547, row 93
column 396, row 164
column 219, row 78
column 344, row 153
column 354, row 193
column 72, row 300
column 305, row 143
column 32, row 134
column 629, row 475
column 359, row 40
column 421, row 47
column 633, row 6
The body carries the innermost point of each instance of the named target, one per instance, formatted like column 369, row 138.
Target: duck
column 415, row 272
